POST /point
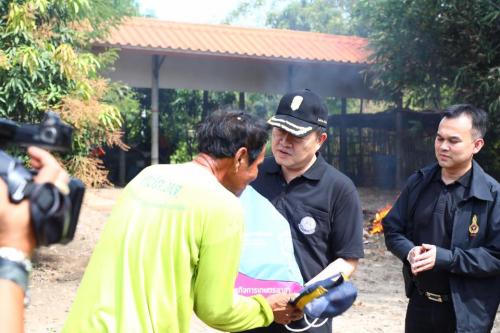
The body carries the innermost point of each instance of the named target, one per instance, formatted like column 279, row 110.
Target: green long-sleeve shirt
column 171, row 245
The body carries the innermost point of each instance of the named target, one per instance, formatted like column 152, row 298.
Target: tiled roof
column 164, row 36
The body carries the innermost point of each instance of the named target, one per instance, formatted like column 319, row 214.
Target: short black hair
column 223, row 132
column 479, row 117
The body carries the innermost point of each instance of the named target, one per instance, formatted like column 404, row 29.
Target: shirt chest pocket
column 310, row 222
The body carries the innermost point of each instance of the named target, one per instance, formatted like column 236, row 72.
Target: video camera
column 54, row 214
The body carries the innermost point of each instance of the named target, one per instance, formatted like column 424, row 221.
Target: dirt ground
column 380, row 306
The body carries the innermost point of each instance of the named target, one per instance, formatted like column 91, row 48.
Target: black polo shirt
column 324, row 212
column 323, row 209
column 434, row 214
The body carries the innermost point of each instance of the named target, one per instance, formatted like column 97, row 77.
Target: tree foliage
column 327, row 16
column 46, row 63
column 180, row 111
column 438, row 53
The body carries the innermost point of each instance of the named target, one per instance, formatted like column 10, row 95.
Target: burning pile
column 376, row 223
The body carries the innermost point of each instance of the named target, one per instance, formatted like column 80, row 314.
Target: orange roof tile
column 165, row 36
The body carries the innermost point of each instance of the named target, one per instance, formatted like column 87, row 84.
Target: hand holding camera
column 53, row 202
column 37, row 207
column 48, row 169
column 15, row 227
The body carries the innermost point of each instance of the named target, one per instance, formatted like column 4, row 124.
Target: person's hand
column 413, row 253
column 417, row 250
column 424, row 259
column 15, row 220
column 15, row 226
column 283, row 312
column 49, row 170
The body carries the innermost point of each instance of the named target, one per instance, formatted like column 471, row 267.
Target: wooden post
column 157, row 62
column 399, row 143
column 343, row 136
column 242, row 101
column 360, row 173
column 204, row 107
column 122, row 175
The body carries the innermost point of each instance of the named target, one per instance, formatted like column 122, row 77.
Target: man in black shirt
column 445, row 227
column 320, row 203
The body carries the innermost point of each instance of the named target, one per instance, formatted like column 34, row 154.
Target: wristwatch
column 15, row 266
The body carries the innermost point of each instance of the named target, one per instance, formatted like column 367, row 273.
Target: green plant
column 46, row 63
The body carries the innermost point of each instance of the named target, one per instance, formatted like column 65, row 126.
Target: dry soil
column 380, row 306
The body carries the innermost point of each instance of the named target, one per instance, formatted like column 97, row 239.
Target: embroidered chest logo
column 473, row 227
column 307, row 225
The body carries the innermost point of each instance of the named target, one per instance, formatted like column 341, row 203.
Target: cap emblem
column 297, row 100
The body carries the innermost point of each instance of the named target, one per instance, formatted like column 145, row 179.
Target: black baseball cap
column 300, row 112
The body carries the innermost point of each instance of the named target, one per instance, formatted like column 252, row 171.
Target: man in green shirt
column 172, row 243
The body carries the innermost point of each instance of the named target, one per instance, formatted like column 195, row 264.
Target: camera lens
column 48, row 135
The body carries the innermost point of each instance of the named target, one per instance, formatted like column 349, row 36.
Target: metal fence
column 374, row 151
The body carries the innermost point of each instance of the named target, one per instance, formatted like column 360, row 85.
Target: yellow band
column 309, row 297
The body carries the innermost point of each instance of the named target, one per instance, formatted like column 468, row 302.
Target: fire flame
column 376, row 226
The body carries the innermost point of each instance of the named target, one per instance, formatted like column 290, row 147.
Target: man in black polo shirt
column 320, row 203
column 445, row 227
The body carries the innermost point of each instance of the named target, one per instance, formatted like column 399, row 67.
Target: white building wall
column 193, row 72
column 219, row 73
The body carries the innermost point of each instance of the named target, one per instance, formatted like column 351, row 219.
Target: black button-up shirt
column 473, row 258
column 434, row 214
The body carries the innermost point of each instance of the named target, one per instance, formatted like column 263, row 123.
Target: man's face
column 455, row 143
column 244, row 174
column 292, row 152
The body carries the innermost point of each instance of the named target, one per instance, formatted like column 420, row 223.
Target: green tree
column 180, row 111
column 436, row 53
column 46, row 63
column 327, row 16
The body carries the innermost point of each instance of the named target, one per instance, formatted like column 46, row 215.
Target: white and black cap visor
column 292, row 125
